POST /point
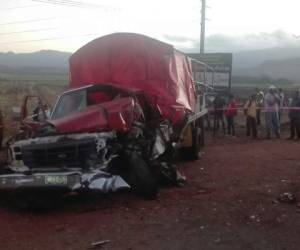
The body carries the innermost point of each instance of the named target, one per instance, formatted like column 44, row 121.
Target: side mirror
column 16, row 113
column 33, row 113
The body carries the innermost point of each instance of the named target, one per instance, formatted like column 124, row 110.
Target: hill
column 253, row 58
column 46, row 66
column 276, row 69
column 49, row 65
column 39, row 59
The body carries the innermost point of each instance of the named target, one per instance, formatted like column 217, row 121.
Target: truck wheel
column 141, row 179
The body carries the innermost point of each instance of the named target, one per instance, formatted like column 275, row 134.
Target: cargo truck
column 132, row 106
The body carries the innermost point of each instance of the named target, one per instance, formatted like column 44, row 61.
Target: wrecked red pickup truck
column 131, row 107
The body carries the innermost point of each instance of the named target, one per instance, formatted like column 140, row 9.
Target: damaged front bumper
column 73, row 181
column 69, row 161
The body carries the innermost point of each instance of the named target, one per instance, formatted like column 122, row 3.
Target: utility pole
column 202, row 35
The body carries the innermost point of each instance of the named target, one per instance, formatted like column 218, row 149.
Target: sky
column 66, row 25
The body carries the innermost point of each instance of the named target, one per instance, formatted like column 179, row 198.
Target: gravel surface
column 231, row 201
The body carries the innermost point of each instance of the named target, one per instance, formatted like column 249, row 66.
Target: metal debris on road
column 254, row 218
column 98, row 244
column 218, row 240
column 287, row 197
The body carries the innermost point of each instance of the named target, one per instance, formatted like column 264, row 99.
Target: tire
column 141, row 179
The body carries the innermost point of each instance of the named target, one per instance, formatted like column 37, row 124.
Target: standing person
column 218, row 105
column 230, row 113
column 271, row 112
column 250, row 111
column 294, row 115
column 1, row 129
column 259, row 104
column 209, row 114
column 281, row 103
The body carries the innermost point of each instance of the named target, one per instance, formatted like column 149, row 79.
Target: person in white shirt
column 271, row 103
column 281, row 104
column 259, row 104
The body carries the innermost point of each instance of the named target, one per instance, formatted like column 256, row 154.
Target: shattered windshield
column 70, row 103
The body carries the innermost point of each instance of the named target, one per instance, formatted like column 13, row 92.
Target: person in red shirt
column 230, row 113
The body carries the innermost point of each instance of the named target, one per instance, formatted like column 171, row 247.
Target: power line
column 19, row 7
column 48, row 39
column 31, row 20
column 56, row 2
column 65, row 2
column 25, row 31
column 70, row 3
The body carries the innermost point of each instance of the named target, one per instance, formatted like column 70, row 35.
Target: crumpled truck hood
column 115, row 115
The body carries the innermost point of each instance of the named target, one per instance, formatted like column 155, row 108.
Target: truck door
column 33, row 113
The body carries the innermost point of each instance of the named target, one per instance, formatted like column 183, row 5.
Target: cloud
column 225, row 43
column 177, row 39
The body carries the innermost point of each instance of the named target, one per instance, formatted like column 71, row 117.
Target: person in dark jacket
column 218, row 105
column 1, row 129
column 294, row 115
column 271, row 109
column 230, row 113
column 208, row 117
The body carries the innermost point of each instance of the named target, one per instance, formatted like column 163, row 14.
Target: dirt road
column 229, row 202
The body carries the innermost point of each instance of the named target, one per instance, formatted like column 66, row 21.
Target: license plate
column 56, row 180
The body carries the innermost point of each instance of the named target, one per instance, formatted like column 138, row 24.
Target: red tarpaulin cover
column 139, row 63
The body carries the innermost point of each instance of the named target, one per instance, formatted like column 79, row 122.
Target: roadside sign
column 222, row 65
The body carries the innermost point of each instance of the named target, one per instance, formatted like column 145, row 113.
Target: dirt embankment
column 11, row 98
